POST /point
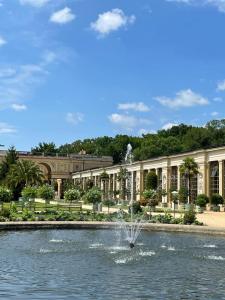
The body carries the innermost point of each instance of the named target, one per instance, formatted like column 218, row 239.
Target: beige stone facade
column 210, row 179
column 58, row 168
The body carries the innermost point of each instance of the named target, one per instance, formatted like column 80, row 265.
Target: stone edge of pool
column 108, row 225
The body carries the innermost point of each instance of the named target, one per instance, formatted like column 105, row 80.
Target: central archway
column 46, row 169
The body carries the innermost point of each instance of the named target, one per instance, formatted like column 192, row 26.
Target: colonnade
column 209, row 180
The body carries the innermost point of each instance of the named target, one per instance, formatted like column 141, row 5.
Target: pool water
column 98, row 264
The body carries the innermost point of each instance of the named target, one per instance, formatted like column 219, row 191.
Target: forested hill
column 178, row 139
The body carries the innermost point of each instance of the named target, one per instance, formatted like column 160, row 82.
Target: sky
column 75, row 69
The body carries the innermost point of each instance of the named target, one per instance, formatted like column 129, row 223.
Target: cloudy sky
column 72, row 69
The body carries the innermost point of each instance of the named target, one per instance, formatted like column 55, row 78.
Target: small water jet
column 133, row 228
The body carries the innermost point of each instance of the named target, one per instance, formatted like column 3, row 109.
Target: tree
column 46, row 192
column 165, row 142
column 183, row 195
column 202, row 200
column 122, row 177
column 72, row 195
column 29, row 192
column 189, row 169
column 109, row 203
column 93, row 196
column 151, row 181
column 5, row 194
column 24, row 173
column 10, row 159
column 151, row 197
column 46, row 148
column 216, row 199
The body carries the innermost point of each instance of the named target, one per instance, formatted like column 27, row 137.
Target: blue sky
column 73, row 69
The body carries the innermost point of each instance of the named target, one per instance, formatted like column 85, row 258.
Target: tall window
column 145, row 173
column 174, row 178
column 193, row 188
column 214, row 177
column 111, row 185
column 159, row 178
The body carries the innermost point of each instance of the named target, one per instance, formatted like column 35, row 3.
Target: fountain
column 132, row 229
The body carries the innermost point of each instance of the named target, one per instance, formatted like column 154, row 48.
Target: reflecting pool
column 98, row 264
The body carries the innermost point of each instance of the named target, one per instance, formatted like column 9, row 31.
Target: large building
column 210, row 180
column 57, row 168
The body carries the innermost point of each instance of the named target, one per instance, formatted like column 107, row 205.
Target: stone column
column 207, row 179
column 178, row 178
column 166, row 182
column 202, row 179
column 114, row 186
column 132, row 186
column 59, row 182
column 221, row 178
column 139, row 184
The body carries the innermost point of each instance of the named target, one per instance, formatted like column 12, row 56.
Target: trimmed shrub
column 93, row 195
column 183, row 195
column 5, row 194
column 189, row 217
column 136, row 208
column 216, row 199
column 149, row 194
column 109, row 203
column 29, row 192
column 45, row 192
column 151, row 197
column 202, row 200
column 5, row 212
column 151, row 181
column 72, row 195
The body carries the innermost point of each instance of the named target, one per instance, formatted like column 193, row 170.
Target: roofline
column 154, row 159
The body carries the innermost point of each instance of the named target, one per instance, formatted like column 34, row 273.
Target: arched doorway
column 46, row 169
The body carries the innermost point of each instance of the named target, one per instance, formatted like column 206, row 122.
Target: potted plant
column 183, row 197
column 201, row 202
column 151, row 197
column 163, row 193
column 46, row 192
column 109, row 203
column 174, row 200
column 215, row 200
column 93, row 196
column 72, row 195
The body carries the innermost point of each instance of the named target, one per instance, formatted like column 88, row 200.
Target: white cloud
column 111, row 21
column 184, row 98
column 35, row 3
column 169, row 126
column 2, row 41
column 145, row 131
column 49, row 57
column 139, row 106
column 6, row 128
column 214, row 113
column 7, row 72
column 62, row 16
column 221, row 85
column 218, row 4
column 18, row 107
column 127, row 122
column 18, row 82
column 74, row 118
column 217, row 99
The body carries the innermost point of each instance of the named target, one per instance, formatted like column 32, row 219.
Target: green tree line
column 181, row 138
